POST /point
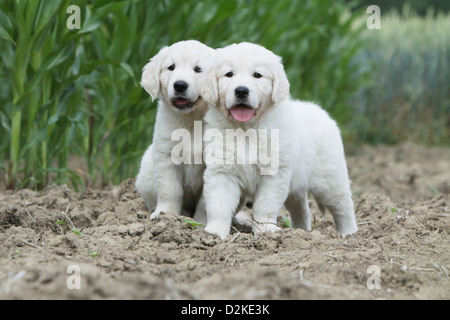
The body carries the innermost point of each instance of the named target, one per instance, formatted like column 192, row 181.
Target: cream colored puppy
column 172, row 75
column 249, row 93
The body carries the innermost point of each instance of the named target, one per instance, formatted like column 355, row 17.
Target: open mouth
column 182, row 104
column 242, row 112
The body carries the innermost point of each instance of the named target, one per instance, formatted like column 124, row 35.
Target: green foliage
column 286, row 222
column 76, row 93
column 77, row 231
column 193, row 224
column 93, row 254
column 60, row 223
column 421, row 6
column 409, row 94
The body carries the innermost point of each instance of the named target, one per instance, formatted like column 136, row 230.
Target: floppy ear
column 151, row 72
column 208, row 83
column 280, row 89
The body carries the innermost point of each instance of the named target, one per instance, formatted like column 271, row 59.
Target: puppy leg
column 269, row 199
column 222, row 196
column 200, row 211
column 145, row 186
column 298, row 207
column 159, row 187
column 330, row 186
column 343, row 214
column 170, row 191
column 340, row 206
column 145, row 181
column 244, row 215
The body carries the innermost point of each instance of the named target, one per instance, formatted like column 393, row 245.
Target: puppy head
column 244, row 80
column 173, row 75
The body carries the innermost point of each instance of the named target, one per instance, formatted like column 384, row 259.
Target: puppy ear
column 151, row 72
column 280, row 89
column 208, row 83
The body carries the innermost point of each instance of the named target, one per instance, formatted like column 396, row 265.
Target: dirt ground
column 59, row 244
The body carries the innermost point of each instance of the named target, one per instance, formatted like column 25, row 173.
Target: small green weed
column 286, row 222
column 77, row 232
column 193, row 224
column 93, row 254
column 60, row 223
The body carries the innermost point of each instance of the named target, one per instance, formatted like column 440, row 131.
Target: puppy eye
column 257, row 75
column 229, row 74
column 198, row 69
column 172, row 67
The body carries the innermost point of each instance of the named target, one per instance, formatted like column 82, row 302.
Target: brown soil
column 402, row 200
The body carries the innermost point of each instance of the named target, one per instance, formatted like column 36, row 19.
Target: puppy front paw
column 348, row 230
column 165, row 208
column 218, row 230
column 156, row 214
column 244, row 218
column 258, row 228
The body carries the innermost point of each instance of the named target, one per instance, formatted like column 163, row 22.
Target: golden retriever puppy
column 285, row 148
column 173, row 76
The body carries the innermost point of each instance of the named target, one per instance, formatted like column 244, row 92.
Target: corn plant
column 47, row 68
column 69, row 93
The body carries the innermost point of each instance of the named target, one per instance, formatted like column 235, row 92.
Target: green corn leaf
column 98, row 13
column 129, row 70
column 38, row 136
column 5, row 122
column 5, row 36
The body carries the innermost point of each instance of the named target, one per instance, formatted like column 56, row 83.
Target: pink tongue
column 181, row 102
column 242, row 113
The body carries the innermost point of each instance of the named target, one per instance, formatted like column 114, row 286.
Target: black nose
column 180, row 86
column 241, row 92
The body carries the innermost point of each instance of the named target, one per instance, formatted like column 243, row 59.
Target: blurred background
column 72, row 110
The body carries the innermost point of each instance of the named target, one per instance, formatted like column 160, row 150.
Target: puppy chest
column 239, row 147
column 192, row 174
column 248, row 177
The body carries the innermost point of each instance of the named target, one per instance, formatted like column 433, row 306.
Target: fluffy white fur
column 311, row 154
column 163, row 185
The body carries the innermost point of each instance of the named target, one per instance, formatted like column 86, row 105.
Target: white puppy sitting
column 173, row 76
column 248, row 90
